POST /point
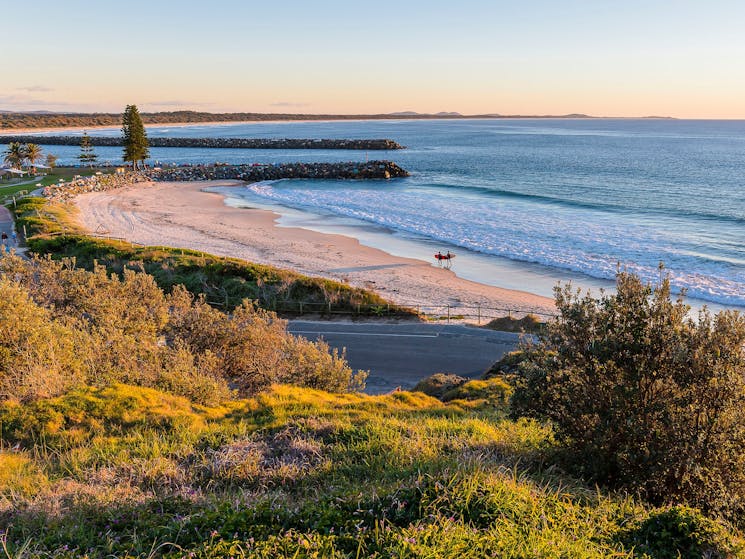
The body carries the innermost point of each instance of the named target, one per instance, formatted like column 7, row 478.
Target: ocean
column 522, row 202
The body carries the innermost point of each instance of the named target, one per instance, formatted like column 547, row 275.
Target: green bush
column 681, row 533
column 644, row 397
column 494, row 390
column 439, row 384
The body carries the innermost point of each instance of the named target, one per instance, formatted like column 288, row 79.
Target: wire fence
column 479, row 313
column 446, row 313
column 8, row 198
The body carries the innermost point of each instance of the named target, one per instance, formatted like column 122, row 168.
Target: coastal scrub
column 644, row 397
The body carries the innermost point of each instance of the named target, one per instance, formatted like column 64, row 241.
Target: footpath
column 6, row 226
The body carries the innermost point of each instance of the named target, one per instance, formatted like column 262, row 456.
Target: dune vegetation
column 52, row 229
column 138, row 420
column 127, row 471
column 140, row 423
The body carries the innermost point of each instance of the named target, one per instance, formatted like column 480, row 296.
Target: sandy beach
column 183, row 215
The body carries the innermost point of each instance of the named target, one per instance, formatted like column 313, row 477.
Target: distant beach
column 183, row 215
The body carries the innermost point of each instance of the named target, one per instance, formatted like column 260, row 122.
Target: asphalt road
column 402, row 354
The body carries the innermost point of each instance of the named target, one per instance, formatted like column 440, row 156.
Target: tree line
column 64, row 120
column 136, row 147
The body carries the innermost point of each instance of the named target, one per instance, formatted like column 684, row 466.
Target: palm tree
column 14, row 155
column 33, row 154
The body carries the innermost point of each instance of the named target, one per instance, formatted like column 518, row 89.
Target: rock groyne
column 249, row 173
column 260, row 172
column 236, row 143
column 64, row 191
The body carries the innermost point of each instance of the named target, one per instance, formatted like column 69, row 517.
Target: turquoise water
column 572, row 196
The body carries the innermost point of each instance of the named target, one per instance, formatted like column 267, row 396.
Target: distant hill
column 429, row 115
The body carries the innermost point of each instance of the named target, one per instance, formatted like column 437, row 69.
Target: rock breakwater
column 63, row 191
column 258, row 172
column 249, row 173
column 239, row 143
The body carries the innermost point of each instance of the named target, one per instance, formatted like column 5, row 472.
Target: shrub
column 507, row 366
column 644, row 397
column 253, row 349
column 439, row 384
column 681, row 533
column 530, row 323
column 494, row 390
column 61, row 326
column 38, row 355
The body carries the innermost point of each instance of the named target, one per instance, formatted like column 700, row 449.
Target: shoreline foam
column 183, row 215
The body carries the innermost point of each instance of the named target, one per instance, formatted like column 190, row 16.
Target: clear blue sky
column 679, row 58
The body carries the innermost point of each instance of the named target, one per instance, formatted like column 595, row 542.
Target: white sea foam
column 581, row 195
column 590, row 242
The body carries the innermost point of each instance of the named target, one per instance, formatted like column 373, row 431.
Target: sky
column 626, row 58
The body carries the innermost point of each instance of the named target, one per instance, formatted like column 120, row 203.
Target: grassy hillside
column 125, row 471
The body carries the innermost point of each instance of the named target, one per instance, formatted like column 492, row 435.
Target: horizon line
column 398, row 115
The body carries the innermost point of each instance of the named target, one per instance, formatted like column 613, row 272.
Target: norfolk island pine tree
column 136, row 147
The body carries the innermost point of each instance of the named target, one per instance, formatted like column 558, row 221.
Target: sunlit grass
column 301, row 473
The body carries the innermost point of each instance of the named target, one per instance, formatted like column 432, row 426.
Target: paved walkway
column 6, row 226
column 403, row 354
